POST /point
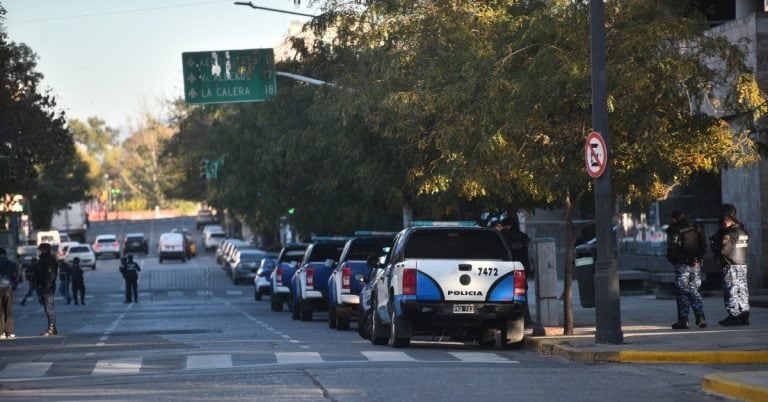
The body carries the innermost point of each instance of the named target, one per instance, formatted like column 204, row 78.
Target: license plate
column 463, row 308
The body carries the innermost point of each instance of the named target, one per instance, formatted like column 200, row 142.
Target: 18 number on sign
column 595, row 154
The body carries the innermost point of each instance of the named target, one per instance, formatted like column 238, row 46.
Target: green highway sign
column 227, row 76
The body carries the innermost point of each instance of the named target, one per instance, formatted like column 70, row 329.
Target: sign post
column 229, row 76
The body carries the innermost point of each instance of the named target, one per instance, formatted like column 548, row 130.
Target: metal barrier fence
column 204, row 280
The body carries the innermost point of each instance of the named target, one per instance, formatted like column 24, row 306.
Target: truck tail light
column 520, row 284
column 409, row 281
column 116, row 245
column 310, row 278
column 346, row 278
column 279, row 276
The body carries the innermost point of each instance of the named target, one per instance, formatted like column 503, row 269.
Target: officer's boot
column 51, row 331
column 743, row 318
column 701, row 321
column 682, row 323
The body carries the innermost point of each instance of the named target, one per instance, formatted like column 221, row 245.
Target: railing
column 204, row 280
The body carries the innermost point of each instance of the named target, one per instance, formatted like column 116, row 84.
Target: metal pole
column 607, row 307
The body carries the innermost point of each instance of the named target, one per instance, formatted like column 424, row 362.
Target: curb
column 558, row 348
column 725, row 385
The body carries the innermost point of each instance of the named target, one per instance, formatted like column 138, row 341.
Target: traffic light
column 291, row 211
column 115, row 190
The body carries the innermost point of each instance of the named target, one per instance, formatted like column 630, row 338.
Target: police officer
column 130, row 271
column 45, row 276
column 8, row 282
column 518, row 243
column 685, row 250
column 729, row 245
column 78, row 281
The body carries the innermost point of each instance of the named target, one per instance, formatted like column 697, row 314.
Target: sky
column 115, row 59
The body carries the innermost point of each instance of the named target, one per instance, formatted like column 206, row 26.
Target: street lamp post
column 606, row 282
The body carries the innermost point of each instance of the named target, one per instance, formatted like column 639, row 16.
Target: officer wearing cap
column 730, row 245
column 45, row 276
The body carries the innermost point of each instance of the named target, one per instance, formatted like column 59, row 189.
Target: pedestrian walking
column 65, row 279
column 130, row 271
column 730, row 246
column 78, row 281
column 46, row 270
column 518, row 243
column 8, row 281
column 29, row 275
column 685, row 250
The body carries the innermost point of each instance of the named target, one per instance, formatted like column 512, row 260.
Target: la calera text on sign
column 225, row 91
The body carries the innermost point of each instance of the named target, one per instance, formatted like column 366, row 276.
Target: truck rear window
column 459, row 244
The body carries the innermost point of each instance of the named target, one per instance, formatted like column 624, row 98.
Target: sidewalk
column 648, row 338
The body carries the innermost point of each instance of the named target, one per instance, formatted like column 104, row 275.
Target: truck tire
column 296, row 311
column 257, row 295
column 331, row 317
column 305, row 312
column 399, row 333
column 275, row 303
column 487, row 338
column 512, row 335
column 363, row 325
column 379, row 336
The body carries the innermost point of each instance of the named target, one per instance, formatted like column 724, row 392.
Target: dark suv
column 135, row 242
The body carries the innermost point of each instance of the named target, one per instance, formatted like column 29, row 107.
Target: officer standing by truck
column 729, row 245
column 45, row 275
column 130, row 271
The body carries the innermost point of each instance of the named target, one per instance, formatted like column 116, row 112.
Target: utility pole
column 607, row 305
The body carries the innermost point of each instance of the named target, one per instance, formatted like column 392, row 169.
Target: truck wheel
column 305, row 312
column 379, row 336
column 296, row 310
column 487, row 338
column 363, row 325
column 342, row 323
column 257, row 295
column 331, row 317
column 397, row 333
column 512, row 335
column 276, row 304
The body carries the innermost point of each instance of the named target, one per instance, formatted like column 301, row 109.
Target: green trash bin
column 585, row 274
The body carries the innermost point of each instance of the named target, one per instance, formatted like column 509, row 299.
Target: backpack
column 689, row 243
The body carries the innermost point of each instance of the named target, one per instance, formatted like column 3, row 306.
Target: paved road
column 185, row 343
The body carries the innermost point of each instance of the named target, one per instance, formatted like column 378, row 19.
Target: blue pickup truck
column 287, row 261
column 347, row 279
column 310, row 281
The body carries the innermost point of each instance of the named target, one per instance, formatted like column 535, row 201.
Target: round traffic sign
column 595, row 154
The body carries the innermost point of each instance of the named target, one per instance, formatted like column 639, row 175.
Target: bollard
column 547, row 304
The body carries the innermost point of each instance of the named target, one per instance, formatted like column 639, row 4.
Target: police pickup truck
column 287, row 261
column 454, row 281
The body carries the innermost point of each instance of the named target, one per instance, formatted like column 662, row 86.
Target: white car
column 213, row 239
column 106, row 244
column 83, row 252
column 63, row 248
column 171, row 246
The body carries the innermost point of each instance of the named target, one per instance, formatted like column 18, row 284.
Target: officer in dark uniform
column 729, row 245
column 518, row 243
column 130, row 271
column 45, row 276
column 687, row 261
column 78, row 281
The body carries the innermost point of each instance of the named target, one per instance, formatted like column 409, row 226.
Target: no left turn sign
column 595, row 154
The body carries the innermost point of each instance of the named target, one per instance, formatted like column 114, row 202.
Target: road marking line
column 234, row 292
column 479, row 357
column 298, row 357
column 378, row 356
column 27, row 369
column 117, row 366
column 209, row 361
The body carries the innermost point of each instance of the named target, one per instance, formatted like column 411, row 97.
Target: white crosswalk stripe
column 118, row 366
column 129, row 366
column 209, row 361
column 379, row 356
column 298, row 357
column 25, row 370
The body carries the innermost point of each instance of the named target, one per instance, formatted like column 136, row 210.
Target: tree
column 141, row 166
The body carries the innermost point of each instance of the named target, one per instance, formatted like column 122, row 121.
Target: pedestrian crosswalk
column 24, row 371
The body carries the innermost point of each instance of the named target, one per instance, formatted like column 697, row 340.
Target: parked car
column 347, row 279
column 228, row 256
column 244, row 265
column 106, row 244
column 135, row 242
column 309, row 285
column 364, row 307
column 211, row 239
column 222, row 248
column 82, row 251
column 204, row 217
column 280, row 279
column 261, row 285
column 63, row 247
column 171, row 246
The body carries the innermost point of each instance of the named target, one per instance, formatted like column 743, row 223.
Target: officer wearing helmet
column 46, row 270
column 130, row 271
column 730, row 247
